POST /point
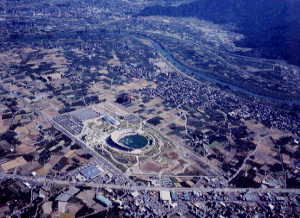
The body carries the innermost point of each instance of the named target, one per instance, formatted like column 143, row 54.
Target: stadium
column 130, row 141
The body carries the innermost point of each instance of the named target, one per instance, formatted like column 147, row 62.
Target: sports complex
column 127, row 142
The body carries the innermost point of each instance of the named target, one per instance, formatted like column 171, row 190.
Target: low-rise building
column 103, row 200
column 165, row 195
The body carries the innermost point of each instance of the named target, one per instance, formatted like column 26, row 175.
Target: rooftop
column 90, row 172
column 165, row 196
column 103, row 200
column 85, row 114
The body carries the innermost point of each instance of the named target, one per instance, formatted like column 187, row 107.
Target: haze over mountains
column 272, row 26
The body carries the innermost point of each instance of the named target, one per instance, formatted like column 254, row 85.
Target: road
column 171, row 175
column 43, row 180
column 244, row 163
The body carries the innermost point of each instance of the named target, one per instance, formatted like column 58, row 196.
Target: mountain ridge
column 264, row 23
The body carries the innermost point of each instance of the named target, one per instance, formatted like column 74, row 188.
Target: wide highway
column 43, row 180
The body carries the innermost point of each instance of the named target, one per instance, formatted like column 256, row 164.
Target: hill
column 272, row 27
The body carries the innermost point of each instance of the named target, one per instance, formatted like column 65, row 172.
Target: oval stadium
column 130, row 141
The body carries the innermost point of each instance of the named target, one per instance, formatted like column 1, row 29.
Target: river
column 211, row 78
